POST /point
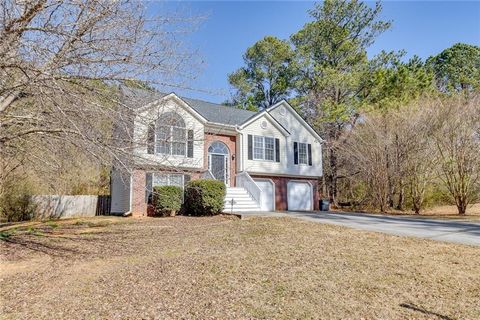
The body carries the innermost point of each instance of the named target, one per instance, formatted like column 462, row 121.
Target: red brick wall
column 139, row 207
column 230, row 141
column 281, row 203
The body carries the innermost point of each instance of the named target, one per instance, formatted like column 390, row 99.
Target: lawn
column 224, row 268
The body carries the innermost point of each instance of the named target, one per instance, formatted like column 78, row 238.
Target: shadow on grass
column 58, row 244
column 413, row 307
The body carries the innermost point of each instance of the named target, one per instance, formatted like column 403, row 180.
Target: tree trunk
column 461, row 206
column 389, row 177
column 332, row 176
column 401, row 196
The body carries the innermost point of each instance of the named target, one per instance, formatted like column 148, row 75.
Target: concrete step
column 242, row 201
column 242, row 205
column 237, row 210
column 239, row 200
column 235, row 196
column 244, row 193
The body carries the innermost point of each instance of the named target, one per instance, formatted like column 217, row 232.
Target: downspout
column 129, row 212
column 240, row 150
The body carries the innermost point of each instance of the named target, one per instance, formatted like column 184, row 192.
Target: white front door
column 267, row 198
column 299, row 196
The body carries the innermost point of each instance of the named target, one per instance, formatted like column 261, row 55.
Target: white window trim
column 306, row 154
column 264, row 149
column 170, row 141
column 168, row 179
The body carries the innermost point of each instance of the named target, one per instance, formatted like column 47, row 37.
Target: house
column 269, row 160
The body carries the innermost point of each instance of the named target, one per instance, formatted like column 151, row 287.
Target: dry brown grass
column 441, row 212
column 223, row 268
column 472, row 210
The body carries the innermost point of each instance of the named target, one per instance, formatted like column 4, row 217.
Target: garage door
column 299, row 195
column 267, row 197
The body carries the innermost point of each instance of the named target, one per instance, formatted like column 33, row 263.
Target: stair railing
column 208, row 175
column 244, row 180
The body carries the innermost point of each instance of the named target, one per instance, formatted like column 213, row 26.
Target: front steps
column 242, row 202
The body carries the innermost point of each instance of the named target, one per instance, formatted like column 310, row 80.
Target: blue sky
column 420, row 27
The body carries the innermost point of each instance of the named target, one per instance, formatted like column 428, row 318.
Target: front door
column 218, row 161
column 218, row 167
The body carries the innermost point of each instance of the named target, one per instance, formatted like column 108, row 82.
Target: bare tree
column 419, row 161
column 59, row 59
column 366, row 153
column 433, row 141
column 458, row 145
column 60, row 64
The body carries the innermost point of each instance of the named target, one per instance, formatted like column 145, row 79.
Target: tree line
column 399, row 132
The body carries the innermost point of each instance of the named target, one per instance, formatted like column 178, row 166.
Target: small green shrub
column 204, row 197
column 167, row 200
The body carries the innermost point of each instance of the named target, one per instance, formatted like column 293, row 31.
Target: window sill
column 263, row 160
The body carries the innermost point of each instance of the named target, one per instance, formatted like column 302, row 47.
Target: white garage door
column 299, row 195
column 267, row 197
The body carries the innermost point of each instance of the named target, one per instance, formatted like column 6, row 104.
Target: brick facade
column 230, row 141
column 281, row 196
column 139, row 206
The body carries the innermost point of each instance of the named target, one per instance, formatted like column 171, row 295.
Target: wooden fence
column 103, row 205
column 64, row 206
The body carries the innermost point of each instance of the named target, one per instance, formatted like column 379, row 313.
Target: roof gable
column 269, row 117
column 295, row 115
column 173, row 97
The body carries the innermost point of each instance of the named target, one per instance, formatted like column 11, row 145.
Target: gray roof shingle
column 213, row 112
column 219, row 113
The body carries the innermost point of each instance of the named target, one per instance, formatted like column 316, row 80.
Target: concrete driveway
column 465, row 232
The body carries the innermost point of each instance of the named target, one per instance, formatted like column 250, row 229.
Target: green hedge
column 167, row 200
column 204, row 197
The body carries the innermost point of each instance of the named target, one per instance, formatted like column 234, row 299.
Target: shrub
column 204, row 197
column 16, row 206
column 167, row 200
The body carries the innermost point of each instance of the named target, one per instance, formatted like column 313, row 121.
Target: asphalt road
column 464, row 232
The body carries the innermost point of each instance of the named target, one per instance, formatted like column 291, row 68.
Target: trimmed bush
column 204, row 197
column 167, row 200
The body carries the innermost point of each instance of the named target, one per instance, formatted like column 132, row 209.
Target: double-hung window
column 269, row 149
column 263, row 148
column 258, row 148
column 302, row 153
column 168, row 180
column 163, row 179
column 171, row 135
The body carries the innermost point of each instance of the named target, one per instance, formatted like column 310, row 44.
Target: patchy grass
column 4, row 235
column 223, row 268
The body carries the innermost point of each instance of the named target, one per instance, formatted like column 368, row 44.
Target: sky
column 228, row 28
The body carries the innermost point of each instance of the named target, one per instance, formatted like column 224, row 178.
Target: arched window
column 218, row 147
column 170, row 134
